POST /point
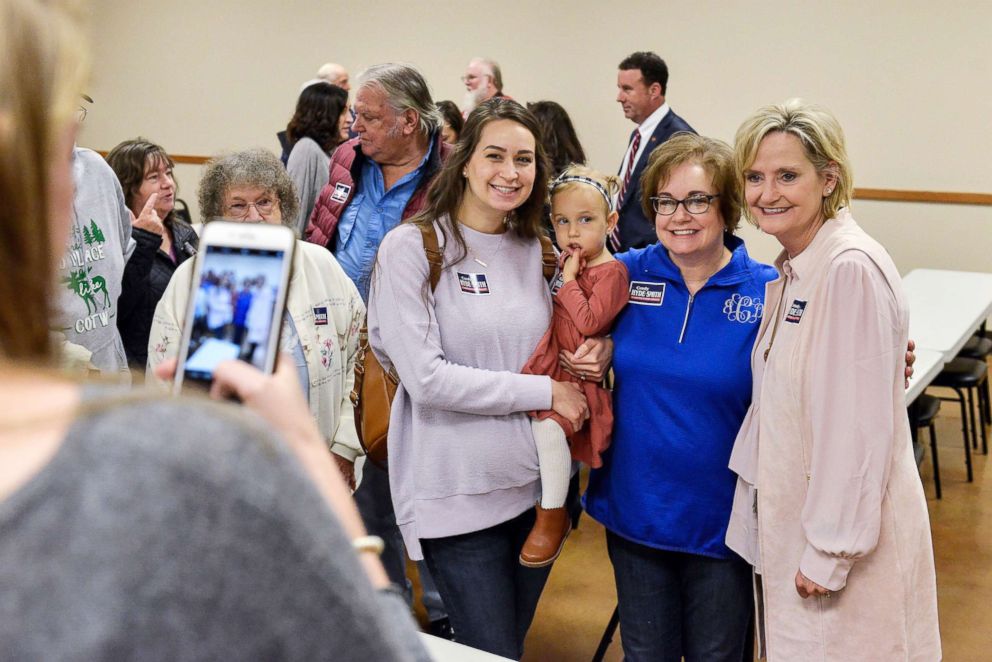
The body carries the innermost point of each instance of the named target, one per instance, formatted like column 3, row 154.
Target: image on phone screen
column 234, row 308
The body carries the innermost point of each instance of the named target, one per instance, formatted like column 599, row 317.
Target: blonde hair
column 43, row 65
column 819, row 133
column 610, row 183
column 714, row 156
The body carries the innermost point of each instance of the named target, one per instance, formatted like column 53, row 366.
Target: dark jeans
column 490, row 597
column 674, row 604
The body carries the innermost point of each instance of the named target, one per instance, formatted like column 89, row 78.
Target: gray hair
column 494, row 70
column 405, row 89
column 256, row 168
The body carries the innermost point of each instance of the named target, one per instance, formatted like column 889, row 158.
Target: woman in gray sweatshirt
column 462, row 461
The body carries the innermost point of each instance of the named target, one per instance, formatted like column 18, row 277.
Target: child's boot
column 547, row 538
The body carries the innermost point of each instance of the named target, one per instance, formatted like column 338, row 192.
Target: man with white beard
column 483, row 81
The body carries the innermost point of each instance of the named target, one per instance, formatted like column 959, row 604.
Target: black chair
column 964, row 377
column 608, row 634
column 979, row 347
column 921, row 414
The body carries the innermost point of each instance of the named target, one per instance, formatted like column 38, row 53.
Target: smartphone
column 237, row 299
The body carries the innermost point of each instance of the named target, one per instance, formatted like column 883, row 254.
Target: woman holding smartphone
column 462, row 461
column 162, row 516
column 323, row 309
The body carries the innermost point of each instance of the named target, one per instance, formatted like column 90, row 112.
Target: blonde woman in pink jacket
column 829, row 506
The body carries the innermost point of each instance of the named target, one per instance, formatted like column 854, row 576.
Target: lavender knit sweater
column 461, row 453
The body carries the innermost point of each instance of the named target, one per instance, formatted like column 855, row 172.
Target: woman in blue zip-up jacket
column 683, row 386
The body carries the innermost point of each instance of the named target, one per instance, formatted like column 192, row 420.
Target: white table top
column 448, row 651
column 946, row 307
column 928, row 365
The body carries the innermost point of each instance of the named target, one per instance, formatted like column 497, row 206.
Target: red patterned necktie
column 634, row 146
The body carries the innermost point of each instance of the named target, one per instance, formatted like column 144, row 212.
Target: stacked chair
column 967, row 376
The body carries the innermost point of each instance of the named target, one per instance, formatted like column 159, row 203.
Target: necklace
column 478, row 260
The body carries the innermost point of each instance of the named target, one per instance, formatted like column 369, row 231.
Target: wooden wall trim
column 189, row 160
column 885, row 194
column 942, row 197
column 185, row 159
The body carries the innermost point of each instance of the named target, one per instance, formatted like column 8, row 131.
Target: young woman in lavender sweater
column 462, row 461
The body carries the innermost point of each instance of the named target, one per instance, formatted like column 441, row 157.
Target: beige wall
column 909, row 81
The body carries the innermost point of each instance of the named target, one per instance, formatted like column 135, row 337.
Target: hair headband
column 565, row 179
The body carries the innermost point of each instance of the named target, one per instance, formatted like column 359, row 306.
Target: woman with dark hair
column 462, row 460
column 558, row 135
column 318, row 126
column 563, row 149
column 163, row 241
column 453, row 121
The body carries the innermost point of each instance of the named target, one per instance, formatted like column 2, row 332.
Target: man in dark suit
column 641, row 85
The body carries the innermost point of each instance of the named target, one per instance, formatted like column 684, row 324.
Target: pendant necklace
column 475, row 256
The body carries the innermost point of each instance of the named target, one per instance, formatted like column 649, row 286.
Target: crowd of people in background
column 731, row 465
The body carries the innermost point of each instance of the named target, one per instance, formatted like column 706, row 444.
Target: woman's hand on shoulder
column 568, row 401
column 590, row 361
column 910, row 360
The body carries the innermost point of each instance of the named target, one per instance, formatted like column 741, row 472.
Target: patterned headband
column 565, row 179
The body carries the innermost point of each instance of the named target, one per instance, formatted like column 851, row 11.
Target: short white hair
column 332, row 72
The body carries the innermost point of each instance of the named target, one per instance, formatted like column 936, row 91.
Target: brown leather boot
column 547, row 538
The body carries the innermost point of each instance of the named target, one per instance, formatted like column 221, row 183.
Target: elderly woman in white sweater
column 252, row 186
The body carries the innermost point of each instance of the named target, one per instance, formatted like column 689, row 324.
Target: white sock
column 555, row 462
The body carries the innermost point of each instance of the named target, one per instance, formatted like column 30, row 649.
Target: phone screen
column 234, row 309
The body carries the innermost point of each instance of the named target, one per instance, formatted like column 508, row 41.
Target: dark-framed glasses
column 264, row 207
column 694, row 204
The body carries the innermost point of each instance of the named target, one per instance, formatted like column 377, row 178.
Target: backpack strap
column 433, row 252
column 549, row 260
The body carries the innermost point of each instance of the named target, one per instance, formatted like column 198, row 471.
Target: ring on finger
column 582, row 375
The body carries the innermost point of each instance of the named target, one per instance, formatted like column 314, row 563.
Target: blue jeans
column 491, row 598
column 375, row 504
column 674, row 604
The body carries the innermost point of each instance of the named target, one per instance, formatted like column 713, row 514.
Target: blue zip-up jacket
column 683, row 384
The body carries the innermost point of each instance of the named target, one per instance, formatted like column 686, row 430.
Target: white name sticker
column 646, row 294
column 473, row 283
column 341, row 192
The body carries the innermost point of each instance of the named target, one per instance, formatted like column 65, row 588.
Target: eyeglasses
column 264, row 207
column 471, row 77
column 694, row 204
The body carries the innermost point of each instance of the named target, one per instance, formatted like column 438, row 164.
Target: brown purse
column 374, row 387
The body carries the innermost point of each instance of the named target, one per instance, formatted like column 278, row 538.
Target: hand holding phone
column 238, row 299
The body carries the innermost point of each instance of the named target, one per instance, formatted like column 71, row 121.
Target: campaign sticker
column 646, row 294
column 473, row 283
column 320, row 316
column 341, row 192
column 796, row 309
column 557, row 285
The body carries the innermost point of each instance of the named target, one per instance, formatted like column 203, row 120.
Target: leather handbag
column 375, row 388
